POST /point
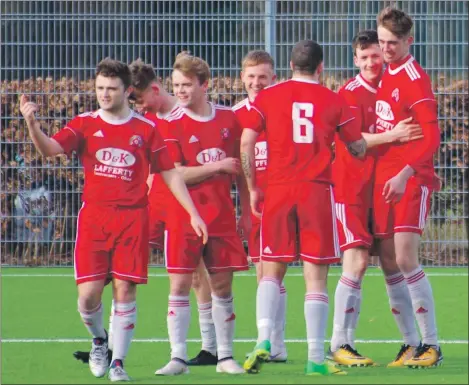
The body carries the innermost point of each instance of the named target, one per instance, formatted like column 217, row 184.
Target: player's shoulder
column 242, row 105
column 176, row 114
column 411, row 71
column 146, row 121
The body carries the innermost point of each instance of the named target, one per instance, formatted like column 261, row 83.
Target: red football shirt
column 193, row 141
column 159, row 190
column 353, row 177
column 404, row 91
column 116, row 156
column 301, row 118
column 248, row 117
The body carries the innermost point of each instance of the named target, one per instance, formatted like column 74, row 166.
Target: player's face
column 255, row 78
column 370, row 62
column 394, row 48
column 147, row 100
column 110, row 93
column 187, row 89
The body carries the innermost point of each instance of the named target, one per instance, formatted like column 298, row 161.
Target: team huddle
column 319, row 174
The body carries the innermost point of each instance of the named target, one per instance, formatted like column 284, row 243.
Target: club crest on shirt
column 136, row 141
column 225, row 133
column 395, row 94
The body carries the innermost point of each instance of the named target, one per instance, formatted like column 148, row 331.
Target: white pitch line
column 237, row 340
column 161, row 275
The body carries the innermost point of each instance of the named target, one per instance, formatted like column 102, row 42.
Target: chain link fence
column 50, row 49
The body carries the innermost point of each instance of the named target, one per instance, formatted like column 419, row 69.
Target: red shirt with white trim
column 353, row 177
column 193, row 141
column 300, row 118
column 116, row 157
column 404, row 91
column 159, row 190
column 248, row 116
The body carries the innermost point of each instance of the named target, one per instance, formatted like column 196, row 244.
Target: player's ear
column 205, row 85
column 291, row 65
column 274, row 78
column 410, row 40
column 355, row 60
column 320, row 68
column 129, row 91
column 156, row 88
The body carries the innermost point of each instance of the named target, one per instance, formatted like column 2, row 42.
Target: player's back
column 301, row 118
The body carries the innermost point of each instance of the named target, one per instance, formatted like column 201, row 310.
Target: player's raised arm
column 404, row 131
column 45, row 145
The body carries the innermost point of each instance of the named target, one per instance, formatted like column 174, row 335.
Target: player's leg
column 411, row 215
column 400, row 302
column 91, row 269
column 129, row 262
column 355, row 241
column 201, row 287
column 318, row 248
column 183, row 251
column 223, row 256
column 278, row 248
column 277, row 339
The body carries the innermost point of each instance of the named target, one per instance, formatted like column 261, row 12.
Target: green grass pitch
column 40, row 329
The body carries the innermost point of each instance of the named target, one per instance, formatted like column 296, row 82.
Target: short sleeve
column 171, row 132
column 354, row 105
column 256, row 118
column 160, row 160
column 349, row 126
column 71, row 137
column 421, row 100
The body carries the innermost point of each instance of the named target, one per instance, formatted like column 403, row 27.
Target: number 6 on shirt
column 303, row 128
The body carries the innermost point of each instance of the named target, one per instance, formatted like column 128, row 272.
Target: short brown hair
column 396, row 21
column 364, row 39
column 192, row 66
column 306, row 56
column 142, row 74
column 256, row 57
column 111, row 68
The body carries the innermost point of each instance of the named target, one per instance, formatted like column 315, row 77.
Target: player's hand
column 394, row 189
column 256, row 197
column 28, row 109
column 199, row 227
column 244, row 226
column 406, row 131
column 230, row 166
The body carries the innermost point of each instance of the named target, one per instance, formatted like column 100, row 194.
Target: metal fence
column 50, row 49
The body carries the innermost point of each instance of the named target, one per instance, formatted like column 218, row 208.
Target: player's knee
column 88, row 301
column 407, row 251
column 355, row 262
column 180, row 284
column 221, row 284
column 125, row 291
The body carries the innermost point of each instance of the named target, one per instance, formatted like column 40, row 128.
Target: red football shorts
column 183, row 250
column 353, row 226
column 298, row 221
column 254, row 240
column 157, row 226
column 111, row 240
column 407, row 216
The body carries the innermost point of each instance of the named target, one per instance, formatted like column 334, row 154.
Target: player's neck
column 304, row 76
column 400, row 61
column 372, row 82
column 202, row 108
column 120, row 114
column 167, row 105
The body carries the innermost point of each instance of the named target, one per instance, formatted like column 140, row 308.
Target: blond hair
column 256, row 57
column 192, row 66
column 396, row 21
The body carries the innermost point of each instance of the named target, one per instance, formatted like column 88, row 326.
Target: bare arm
column 176, row 184
column 248, row 144
column 197, row 174
column 404, row 131
column 45, row 145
